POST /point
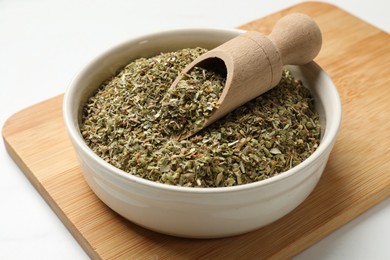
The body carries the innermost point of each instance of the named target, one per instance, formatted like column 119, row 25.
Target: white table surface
column 43, row 44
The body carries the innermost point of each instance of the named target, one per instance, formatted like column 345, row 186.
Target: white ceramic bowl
column 197, row 212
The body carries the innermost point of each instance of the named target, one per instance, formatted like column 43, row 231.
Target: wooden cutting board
column 357, row 57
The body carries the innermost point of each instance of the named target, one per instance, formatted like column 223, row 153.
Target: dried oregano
column 132, row 122
column 186, row 107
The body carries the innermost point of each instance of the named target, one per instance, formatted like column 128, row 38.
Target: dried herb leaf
column 128, row 123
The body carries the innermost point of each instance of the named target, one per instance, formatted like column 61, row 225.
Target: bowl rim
column 74, row 134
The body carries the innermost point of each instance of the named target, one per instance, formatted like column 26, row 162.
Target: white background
column 43, row 44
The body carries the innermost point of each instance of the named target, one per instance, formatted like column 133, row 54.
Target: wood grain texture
column 357, row 57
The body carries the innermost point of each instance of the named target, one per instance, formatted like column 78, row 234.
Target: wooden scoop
column 253, row 62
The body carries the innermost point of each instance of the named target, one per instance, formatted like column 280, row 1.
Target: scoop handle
column 298, row 39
